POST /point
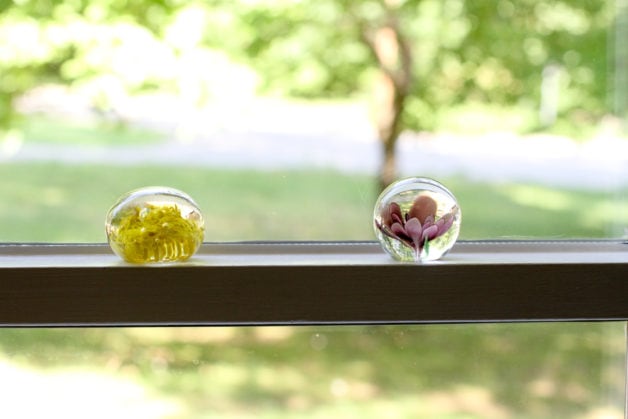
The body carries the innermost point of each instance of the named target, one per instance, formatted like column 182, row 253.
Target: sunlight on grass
column 46, row 202
column 49, row 130
column 526, row 371
column 540, row 197
column 607, row 213
column 238, row 205
column 72, row 393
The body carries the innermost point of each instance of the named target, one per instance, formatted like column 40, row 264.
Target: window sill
column 315, row 283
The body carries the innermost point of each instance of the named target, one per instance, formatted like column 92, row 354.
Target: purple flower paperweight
column 417, row 220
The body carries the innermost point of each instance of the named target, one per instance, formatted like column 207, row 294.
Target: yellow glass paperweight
column 155, row 224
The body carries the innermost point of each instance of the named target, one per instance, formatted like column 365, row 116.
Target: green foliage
column 107, row 49
column 474, row 51
column 463, row 51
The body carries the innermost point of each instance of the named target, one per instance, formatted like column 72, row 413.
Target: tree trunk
column 388, row 105
column 391, row 89
column 388, row 169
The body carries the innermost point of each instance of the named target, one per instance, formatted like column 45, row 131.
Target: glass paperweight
column 155, row 224
column 416, row 220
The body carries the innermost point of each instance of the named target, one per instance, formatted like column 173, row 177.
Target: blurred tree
column 76, row 42
column 391, row 50
column 417, row 58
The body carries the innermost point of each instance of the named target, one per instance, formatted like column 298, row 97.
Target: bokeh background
column 270, row 113
column 282, row 109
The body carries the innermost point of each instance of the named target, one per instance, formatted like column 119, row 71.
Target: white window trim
column 314, row 283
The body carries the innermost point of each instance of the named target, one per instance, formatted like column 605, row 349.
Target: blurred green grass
column 447, row 372
column 523, row 371
column 50, row 130
column 49, row 202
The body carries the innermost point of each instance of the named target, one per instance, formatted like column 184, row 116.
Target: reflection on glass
column 538, row 371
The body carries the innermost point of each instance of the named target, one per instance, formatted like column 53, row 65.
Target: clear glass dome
column 155, row 224
column 416, row 219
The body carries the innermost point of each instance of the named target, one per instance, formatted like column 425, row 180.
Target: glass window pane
column 551, row 370
column 272, row 113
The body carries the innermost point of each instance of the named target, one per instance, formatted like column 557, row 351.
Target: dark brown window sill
column 315, row 283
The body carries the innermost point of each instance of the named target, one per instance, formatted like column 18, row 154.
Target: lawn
column 524, row 371
column 48, row 130
column 520, row 371
column 48, row 202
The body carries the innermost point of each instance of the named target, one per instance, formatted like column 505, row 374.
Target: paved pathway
column 340, row 137
column 552, row 161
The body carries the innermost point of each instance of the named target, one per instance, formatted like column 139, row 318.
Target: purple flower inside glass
column 417, row 220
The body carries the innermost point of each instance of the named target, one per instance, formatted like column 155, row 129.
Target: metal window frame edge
column 312, row 283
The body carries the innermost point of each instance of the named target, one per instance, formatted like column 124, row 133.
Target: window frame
column 312, row 283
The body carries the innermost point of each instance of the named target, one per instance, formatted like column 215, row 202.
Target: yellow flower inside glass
column 155, row 224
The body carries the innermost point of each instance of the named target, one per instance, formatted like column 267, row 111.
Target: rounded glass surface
column 155, row 224
column 416, row 219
